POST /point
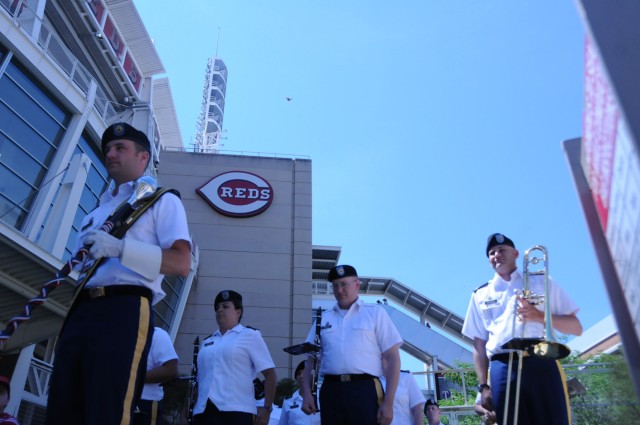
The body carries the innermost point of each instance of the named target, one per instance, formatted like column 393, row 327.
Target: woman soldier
column 228, row 362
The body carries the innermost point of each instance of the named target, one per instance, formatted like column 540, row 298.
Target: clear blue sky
column 430, row 124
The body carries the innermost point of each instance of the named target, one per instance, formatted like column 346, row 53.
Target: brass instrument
column 547, row 346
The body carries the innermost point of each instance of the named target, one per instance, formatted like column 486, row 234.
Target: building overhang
column 24, row 269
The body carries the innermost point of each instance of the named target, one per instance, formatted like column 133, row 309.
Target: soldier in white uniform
column 292, row 413
column 354, row 338
column 432, row 412
column 409, row 400
column 162, row 367
column 228, row 362
column 489, row 322
column 101, row 352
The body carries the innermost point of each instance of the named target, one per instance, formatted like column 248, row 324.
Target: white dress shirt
column 227, row 366
column 292, row 413
column 161, row 351
column 408, row 395
column 353, row 340
column 490, row 316
column 163, row 224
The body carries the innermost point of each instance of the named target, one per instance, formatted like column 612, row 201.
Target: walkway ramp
column 426, row 344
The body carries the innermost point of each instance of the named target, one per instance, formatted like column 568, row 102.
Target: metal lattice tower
column 209, row 125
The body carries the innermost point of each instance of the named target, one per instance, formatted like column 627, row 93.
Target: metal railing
column 24, row 18
column 195, row 149
column 37, row 385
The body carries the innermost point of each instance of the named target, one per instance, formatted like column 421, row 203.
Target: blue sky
column 430, row 124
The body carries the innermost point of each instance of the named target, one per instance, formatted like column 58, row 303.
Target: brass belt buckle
column 96, row 291
column 345, row 378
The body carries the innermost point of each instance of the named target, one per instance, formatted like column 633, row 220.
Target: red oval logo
column 237, row 194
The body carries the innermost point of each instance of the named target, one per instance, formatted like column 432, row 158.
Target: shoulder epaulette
column 174, row 191
column 481, row 286
column 253, row 329
column 207, row 337
column 405, row 371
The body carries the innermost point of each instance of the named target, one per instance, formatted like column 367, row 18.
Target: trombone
column 547, row 346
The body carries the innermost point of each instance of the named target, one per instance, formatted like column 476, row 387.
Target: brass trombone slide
column 547, row 346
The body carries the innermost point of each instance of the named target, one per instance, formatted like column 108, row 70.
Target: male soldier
column 292, row 413
column 162, row 367
column 355, row 337
column 490, row 323
column 432, row 412
column 101, row 353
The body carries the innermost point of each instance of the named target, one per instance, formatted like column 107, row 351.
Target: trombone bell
column 550, row 350
column 539, row 347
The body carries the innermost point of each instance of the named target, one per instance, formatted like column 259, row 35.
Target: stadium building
column 68, row 69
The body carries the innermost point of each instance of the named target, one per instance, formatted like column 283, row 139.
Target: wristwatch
column 270, row 408
column 482, row 387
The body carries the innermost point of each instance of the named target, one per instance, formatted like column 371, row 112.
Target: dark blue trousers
column 350, row 403
column 100, row 361
column 544, row 399
column 214, row 416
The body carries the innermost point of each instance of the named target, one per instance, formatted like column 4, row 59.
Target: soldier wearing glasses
column 355, row 337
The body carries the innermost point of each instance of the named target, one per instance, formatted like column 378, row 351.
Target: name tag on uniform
column 208, row 344
column 489, row 303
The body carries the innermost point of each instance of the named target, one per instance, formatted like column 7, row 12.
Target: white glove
column 102, row 244
column 143, row 258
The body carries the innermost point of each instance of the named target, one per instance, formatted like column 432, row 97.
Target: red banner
column 599, row 132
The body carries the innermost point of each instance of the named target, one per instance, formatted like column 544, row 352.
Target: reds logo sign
column 237, row 194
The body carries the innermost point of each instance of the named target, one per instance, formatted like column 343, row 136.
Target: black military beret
column 498, row 239
column 122, row 130
column 430, row 403
column 228, row 295
column 341, row 271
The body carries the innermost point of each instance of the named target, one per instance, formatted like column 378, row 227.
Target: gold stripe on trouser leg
column 565, row 389
column 154, row 412
column 143, row 331
column 379, row 391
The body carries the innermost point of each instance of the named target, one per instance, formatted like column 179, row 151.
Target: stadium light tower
column 209, row 125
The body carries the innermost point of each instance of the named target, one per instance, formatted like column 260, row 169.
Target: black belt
column 348, row 378
column 114, row 290
column 504, row 357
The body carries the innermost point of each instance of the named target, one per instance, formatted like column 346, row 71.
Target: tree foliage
column 285, row 389
column 609, row 397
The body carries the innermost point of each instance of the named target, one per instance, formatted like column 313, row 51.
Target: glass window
column 32, row 123
column 16, row 158
column 14, row 193
column 165, row 310
column 163, row 315
column 36, row 91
